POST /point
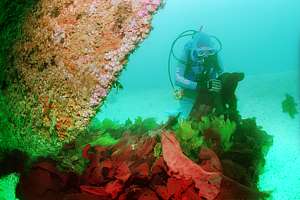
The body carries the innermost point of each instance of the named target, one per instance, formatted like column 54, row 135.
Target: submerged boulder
column 69, row 56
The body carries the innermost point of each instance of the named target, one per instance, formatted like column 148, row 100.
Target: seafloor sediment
column 70, row 54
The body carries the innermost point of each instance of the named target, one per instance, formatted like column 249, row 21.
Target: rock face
column 72, row 51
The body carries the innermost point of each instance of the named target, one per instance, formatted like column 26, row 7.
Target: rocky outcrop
column 71, row 53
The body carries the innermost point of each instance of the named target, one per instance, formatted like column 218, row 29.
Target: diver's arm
column 182, row 81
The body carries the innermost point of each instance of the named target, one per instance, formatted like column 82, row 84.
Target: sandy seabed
column 261, row 96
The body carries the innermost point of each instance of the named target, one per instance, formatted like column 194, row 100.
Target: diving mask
column 204, row 45
column 199, row 54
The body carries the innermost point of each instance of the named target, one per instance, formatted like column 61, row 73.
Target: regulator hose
column 171, row 53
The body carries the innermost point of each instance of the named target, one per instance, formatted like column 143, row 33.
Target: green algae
column 115, row 128
column 193, row 135
column 12, row 16
column 104, row 140
column 8, row 187
column 189, row 137
column 224, row 127
column 100, row 133
column 185, row 130
column 17, row 129
column 18, row 112
column 289, row 106
column 157, row 150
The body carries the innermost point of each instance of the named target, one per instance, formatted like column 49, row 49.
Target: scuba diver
column 198, row 66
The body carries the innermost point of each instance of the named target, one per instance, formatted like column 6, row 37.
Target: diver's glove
column 214, row 85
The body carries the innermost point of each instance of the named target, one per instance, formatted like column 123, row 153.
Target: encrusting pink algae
column 72, row 51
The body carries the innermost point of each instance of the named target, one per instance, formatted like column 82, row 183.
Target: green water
column 260, row 38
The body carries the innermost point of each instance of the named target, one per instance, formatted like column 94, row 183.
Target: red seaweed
column 182, row 167
column 124, row 172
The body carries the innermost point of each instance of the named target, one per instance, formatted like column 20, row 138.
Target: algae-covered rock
column 66, row 57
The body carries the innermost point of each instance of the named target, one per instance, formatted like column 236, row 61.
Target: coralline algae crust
column 73, row 50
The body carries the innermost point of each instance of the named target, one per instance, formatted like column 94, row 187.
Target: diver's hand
column 214, row 85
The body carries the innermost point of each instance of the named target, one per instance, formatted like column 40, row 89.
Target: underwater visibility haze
column 149, row 99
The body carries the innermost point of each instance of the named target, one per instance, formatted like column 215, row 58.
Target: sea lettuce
column 142, row 126
column 221, row 126
column 189, row 138
column 104, row 140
